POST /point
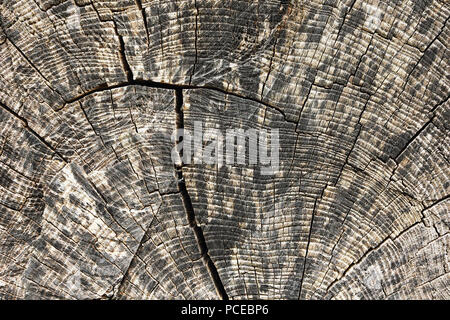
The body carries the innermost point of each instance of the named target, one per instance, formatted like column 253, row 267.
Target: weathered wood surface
column 91, row 205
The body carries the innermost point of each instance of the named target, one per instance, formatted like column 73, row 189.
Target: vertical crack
column 123, row 57
column 144, row 18
column 309, row 241
column 270, row 68
column 189, row 209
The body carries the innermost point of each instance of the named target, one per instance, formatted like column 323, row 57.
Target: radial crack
column 189, row 209
column 123, row 57
column 413, row 138
column 144, row 17
column 309, row 241
column 40, row 138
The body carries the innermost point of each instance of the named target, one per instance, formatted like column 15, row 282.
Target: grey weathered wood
column 91, row 205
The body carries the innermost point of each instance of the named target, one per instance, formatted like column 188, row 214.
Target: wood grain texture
column 92, row 206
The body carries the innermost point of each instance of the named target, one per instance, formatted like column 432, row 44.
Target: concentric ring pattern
column 92, row 206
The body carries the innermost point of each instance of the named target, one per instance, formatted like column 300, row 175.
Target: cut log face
column 96, row 201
